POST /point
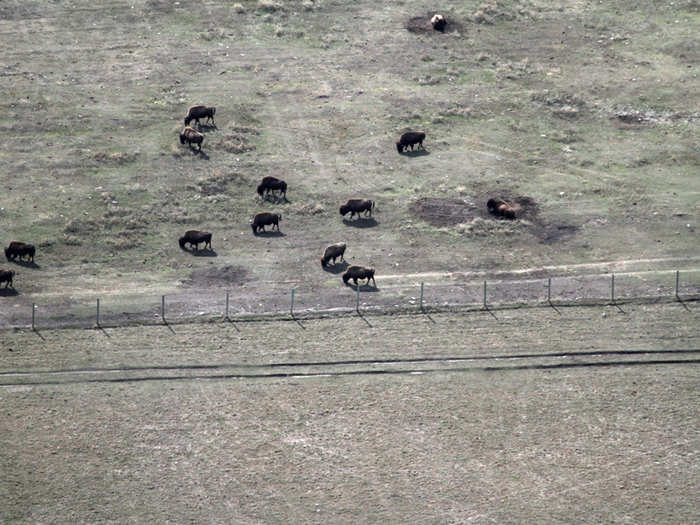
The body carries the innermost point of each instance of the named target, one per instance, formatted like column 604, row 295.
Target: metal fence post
column 227, row 300
column 97, row 313
column 421, row 295
column 291, row 308
column 162, row 307
column 33, row 314
column 677, row 279
column 549, row 290
column 612, row 288
column 484, row 294
column 357, row 303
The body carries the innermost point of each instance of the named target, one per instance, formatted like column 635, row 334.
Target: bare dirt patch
column 217, row 276
column 421, row 24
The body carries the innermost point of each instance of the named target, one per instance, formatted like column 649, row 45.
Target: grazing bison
column 6, row 277
column 20, row 249
column 438, row 22
column 265, row 218
column 194, row 238
column 357, row 206
column 272, row 184
column 332, row 252
column 191, row 136
column 500, row 208
column 410, row 138
column 197, row 112
column 359, row 272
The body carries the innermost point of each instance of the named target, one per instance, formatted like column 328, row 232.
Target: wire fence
column 119, row 310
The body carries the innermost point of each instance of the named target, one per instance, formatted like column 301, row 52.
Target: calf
column 197, row 112
column 359, row 272
column 272, row 184
column 332, row 252
column 6, row 277
column 410, row 138
column 438, row 22
column 265, row 218
column 191, row 136
column 357, row 206
column 500, row 208
column 20, row 249
column 194, row 238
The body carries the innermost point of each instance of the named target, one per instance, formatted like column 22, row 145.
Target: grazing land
column 447, row 418
column 584, row 115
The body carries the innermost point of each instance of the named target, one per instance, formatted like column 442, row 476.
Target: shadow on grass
column 415, row 153
column 363, row 222
column 8, row 292
column 363, row 287
column 269, row 233
column 336, row 268
column 204, row 253
column 25, row 264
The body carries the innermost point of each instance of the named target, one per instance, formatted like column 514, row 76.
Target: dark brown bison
column 359, row 272
column 265, row 218
column 272, row 184
column 197, row 112
column 194, row 238
column 332, row 252
column 20, row 249
column 438, row 22
column 500, row 208
column 357, row 206
column 191, row 136
column 410, row 138
column 6, row 277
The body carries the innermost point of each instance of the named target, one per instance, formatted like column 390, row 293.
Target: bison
column 272, row 184
column 357, row 206
column 20, row 249
column 359, row 272
column 197, row 112
column 6, row 277
column 194, row 238
column 332, row 252
column 438, row 21
column 410, row 138
column 191, row 136
column 500, row 208
column 265, row 218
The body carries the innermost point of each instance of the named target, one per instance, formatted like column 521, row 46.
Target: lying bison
column 197, row 112
column 359, row 272
column 357, row 206
column 6, row 277
column 438, row 22
column 272, row 184
column 191, row 136
column 20, row 249
column 500, row 208
column 195, row 238
column 410, row 138
column 332, row 252
column 265, row 218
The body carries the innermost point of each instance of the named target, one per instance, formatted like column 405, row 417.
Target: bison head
column 399, row 147
column 182, row 138
column 344, row 209
column 182, row 242
column 346, row 277
column 261, row 189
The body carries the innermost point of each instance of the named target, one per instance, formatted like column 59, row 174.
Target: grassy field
column 586, row 114
column 447, row 418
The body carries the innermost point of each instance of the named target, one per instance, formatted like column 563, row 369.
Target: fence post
column 421, row 296
column 162, row 308
column 677, row 279
column 357, row 303
column 612, row 288
column 549, row 290
column 291, row 308
column 33, row 315
column 484, row 294
column 97, row 313
column 227, row 301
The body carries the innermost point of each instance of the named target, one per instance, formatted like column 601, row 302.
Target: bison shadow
column 207, row 127
column 415, row 153
column 203, row 253
column 26, row 264
column 362, row 222
column 269, row 233
column 363, row 287
column 8, row 292
column 276, row 199
column 200, row 153
column 336, row 268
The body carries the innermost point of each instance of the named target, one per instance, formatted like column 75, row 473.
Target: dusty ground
column 507, row 417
